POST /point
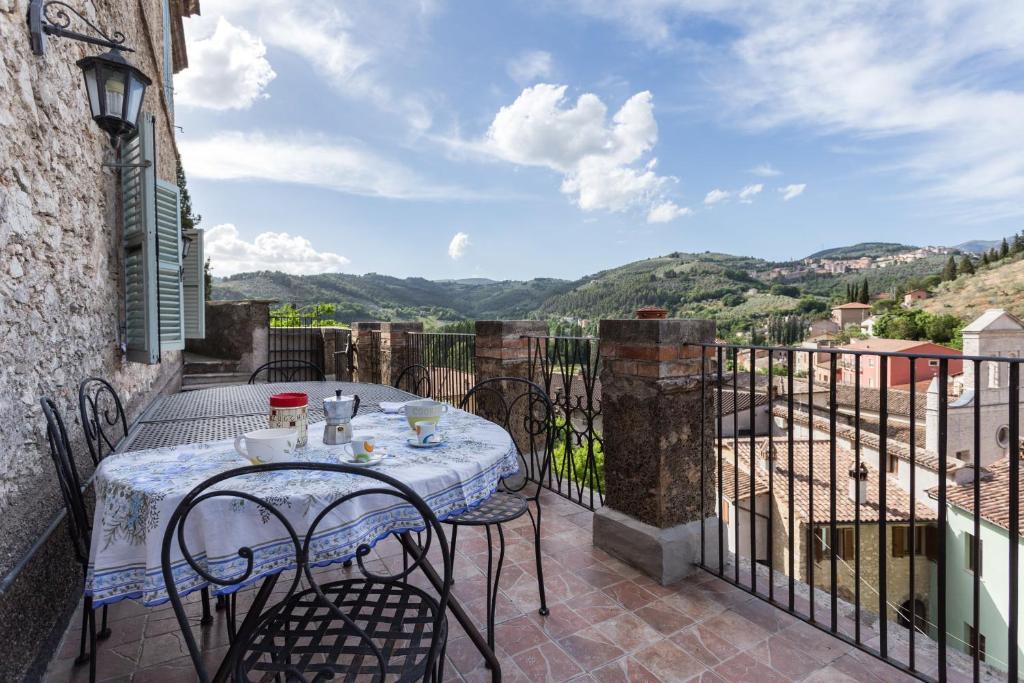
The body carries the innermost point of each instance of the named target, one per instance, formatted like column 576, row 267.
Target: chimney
column 859, row 484
column 651, row 313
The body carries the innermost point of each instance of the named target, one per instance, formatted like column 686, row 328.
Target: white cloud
column 354, row 46
column 530, row 67
column 940, row 78
column 791, row 191
column 341, row 166
column 716, row 196
column 600, row 161
column 667, row 211
column 230, row 254
column 227, row 70
column 765, row 171
column 457, row 247
column 747, row 193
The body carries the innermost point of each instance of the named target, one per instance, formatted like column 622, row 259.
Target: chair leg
column 83, row 656
column 92, row 643
column 493, row 577
column 207, row 615
column 221, row 603
column 544, row 611
column 104, row 629
column 451, row 547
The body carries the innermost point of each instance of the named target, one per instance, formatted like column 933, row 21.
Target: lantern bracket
column 54, row 18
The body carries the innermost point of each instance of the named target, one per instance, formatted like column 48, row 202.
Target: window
column 892, row 464
column 974, row 561
column 871, row 362
column 933, row 362
column 975, row 642
column 844, row 543
column 925, row 541
column 964, row 456
column 1003, row 436
column 725, row 511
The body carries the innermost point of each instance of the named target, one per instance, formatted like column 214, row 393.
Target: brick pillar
column 363, row 346
column 394, row 349
column 653, row 427
column 501, row 351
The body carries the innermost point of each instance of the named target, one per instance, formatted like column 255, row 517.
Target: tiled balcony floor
column 607, row 623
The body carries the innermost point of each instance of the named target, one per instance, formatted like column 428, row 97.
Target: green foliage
column 317, row 315
column 949, row 272
column 862, row 294
column 189, row 220
column 872, row 249
column 920, row 325
column 884, row 306
column 208, row 280
column 785, row 290
column 575, row 467
column 966, row 265
column 1004, row 249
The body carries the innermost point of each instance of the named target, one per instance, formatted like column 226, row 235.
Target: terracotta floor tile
column 628, row 632
column 694, row 604
column 815, row 643
column 663, row 618
column 705, row 645
column 782, row 655
column 764, row 614
column 590, row 648
column 598, row 575
column 730, row 626
column 629, row 594
column 547, row 662
column 624, row 670
column 561, row 621
column 596, row 606
column 668, row 662
column 519, row 634
column 744, row 668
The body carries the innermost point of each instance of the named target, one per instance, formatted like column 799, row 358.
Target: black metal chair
column 102, row 412
column 78, row 523
column 524, row 409
column 414, row 379
column 366, row 627
column 286, row 371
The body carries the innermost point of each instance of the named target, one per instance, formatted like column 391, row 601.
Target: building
column 70, row 309
column 852, row 313
column 819, row 328
column 988, row 557
column 811, row 535
column 898, row 369
column 736, row 419
column 868, row 326
column 915, row 295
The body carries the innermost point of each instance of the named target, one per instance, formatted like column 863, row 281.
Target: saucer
column 433, row 443
column 376, row 460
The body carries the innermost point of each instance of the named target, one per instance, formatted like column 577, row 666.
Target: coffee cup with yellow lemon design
column 362, row 448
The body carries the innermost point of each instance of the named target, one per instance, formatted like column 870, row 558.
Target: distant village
column 830, row 266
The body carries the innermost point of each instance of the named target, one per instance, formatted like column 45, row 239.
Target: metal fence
column 294, row 335
column 906, row 551
column 446, row 365
column 568, row 368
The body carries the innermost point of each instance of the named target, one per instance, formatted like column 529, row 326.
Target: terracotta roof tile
column 995, row 495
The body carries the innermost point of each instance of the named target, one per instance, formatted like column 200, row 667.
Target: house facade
column 898, row 371
column 850, row 314
column 78, row 282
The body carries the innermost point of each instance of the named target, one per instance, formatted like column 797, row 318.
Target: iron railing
column 449, row 361
column 568, row 368
column 373, row 366
column 296, row 335
column 896, row 565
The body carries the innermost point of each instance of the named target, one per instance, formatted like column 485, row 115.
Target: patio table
column 137, row 491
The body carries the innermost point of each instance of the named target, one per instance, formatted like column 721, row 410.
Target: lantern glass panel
column 136, row 89
column 93, row 89
column 114, row 87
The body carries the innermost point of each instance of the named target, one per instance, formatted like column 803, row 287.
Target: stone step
column 213, row 379
column 210, row 366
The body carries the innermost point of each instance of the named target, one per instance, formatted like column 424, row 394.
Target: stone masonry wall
column 60, row 289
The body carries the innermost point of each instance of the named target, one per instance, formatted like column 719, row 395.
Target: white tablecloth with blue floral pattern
column 137, row 492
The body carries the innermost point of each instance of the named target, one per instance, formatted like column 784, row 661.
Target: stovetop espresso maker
column 339, row 412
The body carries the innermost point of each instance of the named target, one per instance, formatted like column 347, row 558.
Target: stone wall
column 235, row 330
column 60, row 301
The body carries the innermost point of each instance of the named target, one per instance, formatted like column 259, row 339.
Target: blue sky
column 542, row 138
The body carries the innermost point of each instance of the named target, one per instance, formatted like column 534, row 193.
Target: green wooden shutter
column 168, row 252
column 193, row 285
column 138, row 200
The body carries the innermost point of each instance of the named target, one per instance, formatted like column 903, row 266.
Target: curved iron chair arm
column 416, row 376
column 99, row 417
column 290, row 368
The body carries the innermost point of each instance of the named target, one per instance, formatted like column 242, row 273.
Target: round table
column 137, row 492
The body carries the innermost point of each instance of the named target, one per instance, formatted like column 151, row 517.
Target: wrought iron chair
column 416, row 378
column 78, row 523
column 525, row 411
column 287, row 370
column 102, row 412
column 368, row 626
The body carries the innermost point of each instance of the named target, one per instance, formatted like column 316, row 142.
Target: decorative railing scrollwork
column 55, row 18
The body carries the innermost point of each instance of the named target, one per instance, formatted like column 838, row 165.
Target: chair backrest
column 103, row 418
column 233, row 485
column 526, row 412
column 416, row 380
column 70, row 483
column 288, row 370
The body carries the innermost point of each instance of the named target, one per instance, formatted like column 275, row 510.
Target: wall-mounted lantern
column 115, row 87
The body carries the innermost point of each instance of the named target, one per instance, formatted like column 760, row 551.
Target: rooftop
column 995, row 494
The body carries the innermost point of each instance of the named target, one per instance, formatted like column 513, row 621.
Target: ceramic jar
column 290, row 410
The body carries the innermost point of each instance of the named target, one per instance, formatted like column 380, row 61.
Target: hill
column 862, row 249
column 978, row 246
column 998, row 286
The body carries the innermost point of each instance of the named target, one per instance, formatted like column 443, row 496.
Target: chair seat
column 302, row 634
column 502, row 506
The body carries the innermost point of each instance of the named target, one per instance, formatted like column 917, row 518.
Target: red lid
column 289, row 399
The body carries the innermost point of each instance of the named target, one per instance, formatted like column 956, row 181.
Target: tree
column 1018, row 243
column 1004, row 249
column 949, row 272
column 863, row 296
column 966, row 265
column 208, row 281
column 189, row 220
column 984, row 259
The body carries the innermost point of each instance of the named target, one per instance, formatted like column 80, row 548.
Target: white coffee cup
column 267, row 445
column 362, row 447
column 425, row 430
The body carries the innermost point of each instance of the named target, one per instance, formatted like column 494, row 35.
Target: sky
column 535, row 138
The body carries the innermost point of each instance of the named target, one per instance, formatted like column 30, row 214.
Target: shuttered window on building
column 168, row 250
column 138, row 202
column 193, row 285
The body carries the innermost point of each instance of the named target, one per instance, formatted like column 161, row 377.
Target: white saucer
column 416, row 443
column 376, row 460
